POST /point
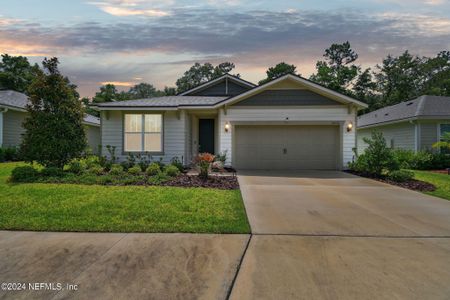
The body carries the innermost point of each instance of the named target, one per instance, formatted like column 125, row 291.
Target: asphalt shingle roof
column 424, row 106
column 167, row 101
column 13, row 99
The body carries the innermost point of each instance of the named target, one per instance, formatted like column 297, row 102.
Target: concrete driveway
column 316, row 235
column 331, row 235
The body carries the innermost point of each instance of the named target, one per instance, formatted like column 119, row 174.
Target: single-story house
column 287, row 123
column 411, row 125
column 13, row 113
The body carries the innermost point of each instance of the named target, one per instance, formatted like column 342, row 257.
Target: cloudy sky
column 155, row 41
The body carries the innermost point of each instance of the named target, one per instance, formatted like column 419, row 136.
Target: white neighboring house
column 13, row 113
column 411, row 125
column 287, row 123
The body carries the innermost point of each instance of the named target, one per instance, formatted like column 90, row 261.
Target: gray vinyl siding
column 402, row 134
column 220, row 89
column 288, row 97
column 12, row 128
column 174, row 134
column 93, row 137
column 428, row 135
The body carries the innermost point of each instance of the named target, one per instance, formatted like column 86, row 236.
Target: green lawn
column 441, row 181
column 69, row 207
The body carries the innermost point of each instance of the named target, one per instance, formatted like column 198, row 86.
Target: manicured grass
column 441, row 181
column 70, row 207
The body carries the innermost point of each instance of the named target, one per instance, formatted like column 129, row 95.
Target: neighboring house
column 411, row 125
column 287, row 123
column 13, row 113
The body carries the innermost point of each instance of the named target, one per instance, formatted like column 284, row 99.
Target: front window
column 143, row 133
column 444, row 128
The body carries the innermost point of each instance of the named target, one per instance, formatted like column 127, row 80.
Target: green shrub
column 136, row 170
column 422, row 160
column 105, row 179
column 377, row 159
column 11, row 154
column 96, row 170
column 24, row 174
column 158, row 178
column 2, row 155
column 116, row 169
column 171, row 170
column 92, row 160
column 405, row 158
column 143, row 161
column 52, row 172
column 401, row 175
column 177, row 163
column 153, row 169
column 76, row 166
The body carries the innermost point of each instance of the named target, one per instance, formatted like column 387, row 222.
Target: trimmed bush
column 96, row 170
column 24, row 174
column 153, row 169
column 76, row 166
column 401, row 175
column 158, row 178
column 171, row 170
column 52, row 172
column 136, row 170
column 116, row 169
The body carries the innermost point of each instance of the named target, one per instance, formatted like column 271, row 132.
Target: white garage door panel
column 307, row 147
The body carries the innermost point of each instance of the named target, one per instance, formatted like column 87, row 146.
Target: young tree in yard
column 54, row 133
column 279, row 70
column 16, row 73
column 378, row 157
column 337, row 72
column 198, row 74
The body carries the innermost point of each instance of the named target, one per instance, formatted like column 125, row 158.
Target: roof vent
column 409, row 103
column 386, row 114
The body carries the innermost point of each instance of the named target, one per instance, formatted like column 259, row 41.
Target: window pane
column 153, row 142
column 133, row 142
column 445, row 128
column 153, row 123
column 133, row 123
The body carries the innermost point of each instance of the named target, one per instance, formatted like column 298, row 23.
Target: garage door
column 286, row 147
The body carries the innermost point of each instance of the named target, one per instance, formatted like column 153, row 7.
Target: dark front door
column 206, row 136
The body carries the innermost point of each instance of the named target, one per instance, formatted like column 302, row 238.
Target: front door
column 206, row 136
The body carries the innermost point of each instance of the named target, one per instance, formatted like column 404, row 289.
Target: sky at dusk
column 130, row 41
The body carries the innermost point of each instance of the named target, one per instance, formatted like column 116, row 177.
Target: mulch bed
column 215, row 182
column 413, row 184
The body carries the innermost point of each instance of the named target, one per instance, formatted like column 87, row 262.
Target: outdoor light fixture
column 349, row 127
column 227, row 127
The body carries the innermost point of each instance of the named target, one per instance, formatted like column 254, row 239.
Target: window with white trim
column 143, row 133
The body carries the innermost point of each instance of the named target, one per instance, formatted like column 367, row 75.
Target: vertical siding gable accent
column 222, row 88
column 287, row 97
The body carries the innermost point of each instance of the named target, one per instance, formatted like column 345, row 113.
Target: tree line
column 395, row 79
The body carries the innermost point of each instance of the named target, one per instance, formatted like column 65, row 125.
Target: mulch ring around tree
column 215, row 182
column 413, row 184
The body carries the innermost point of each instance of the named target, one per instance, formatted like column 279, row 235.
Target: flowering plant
column 203, row 161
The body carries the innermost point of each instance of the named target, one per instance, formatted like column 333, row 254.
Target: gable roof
column 18, row 101
column 319, row 89
column 422, row 107
column 164, row 102
column 212, row 82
